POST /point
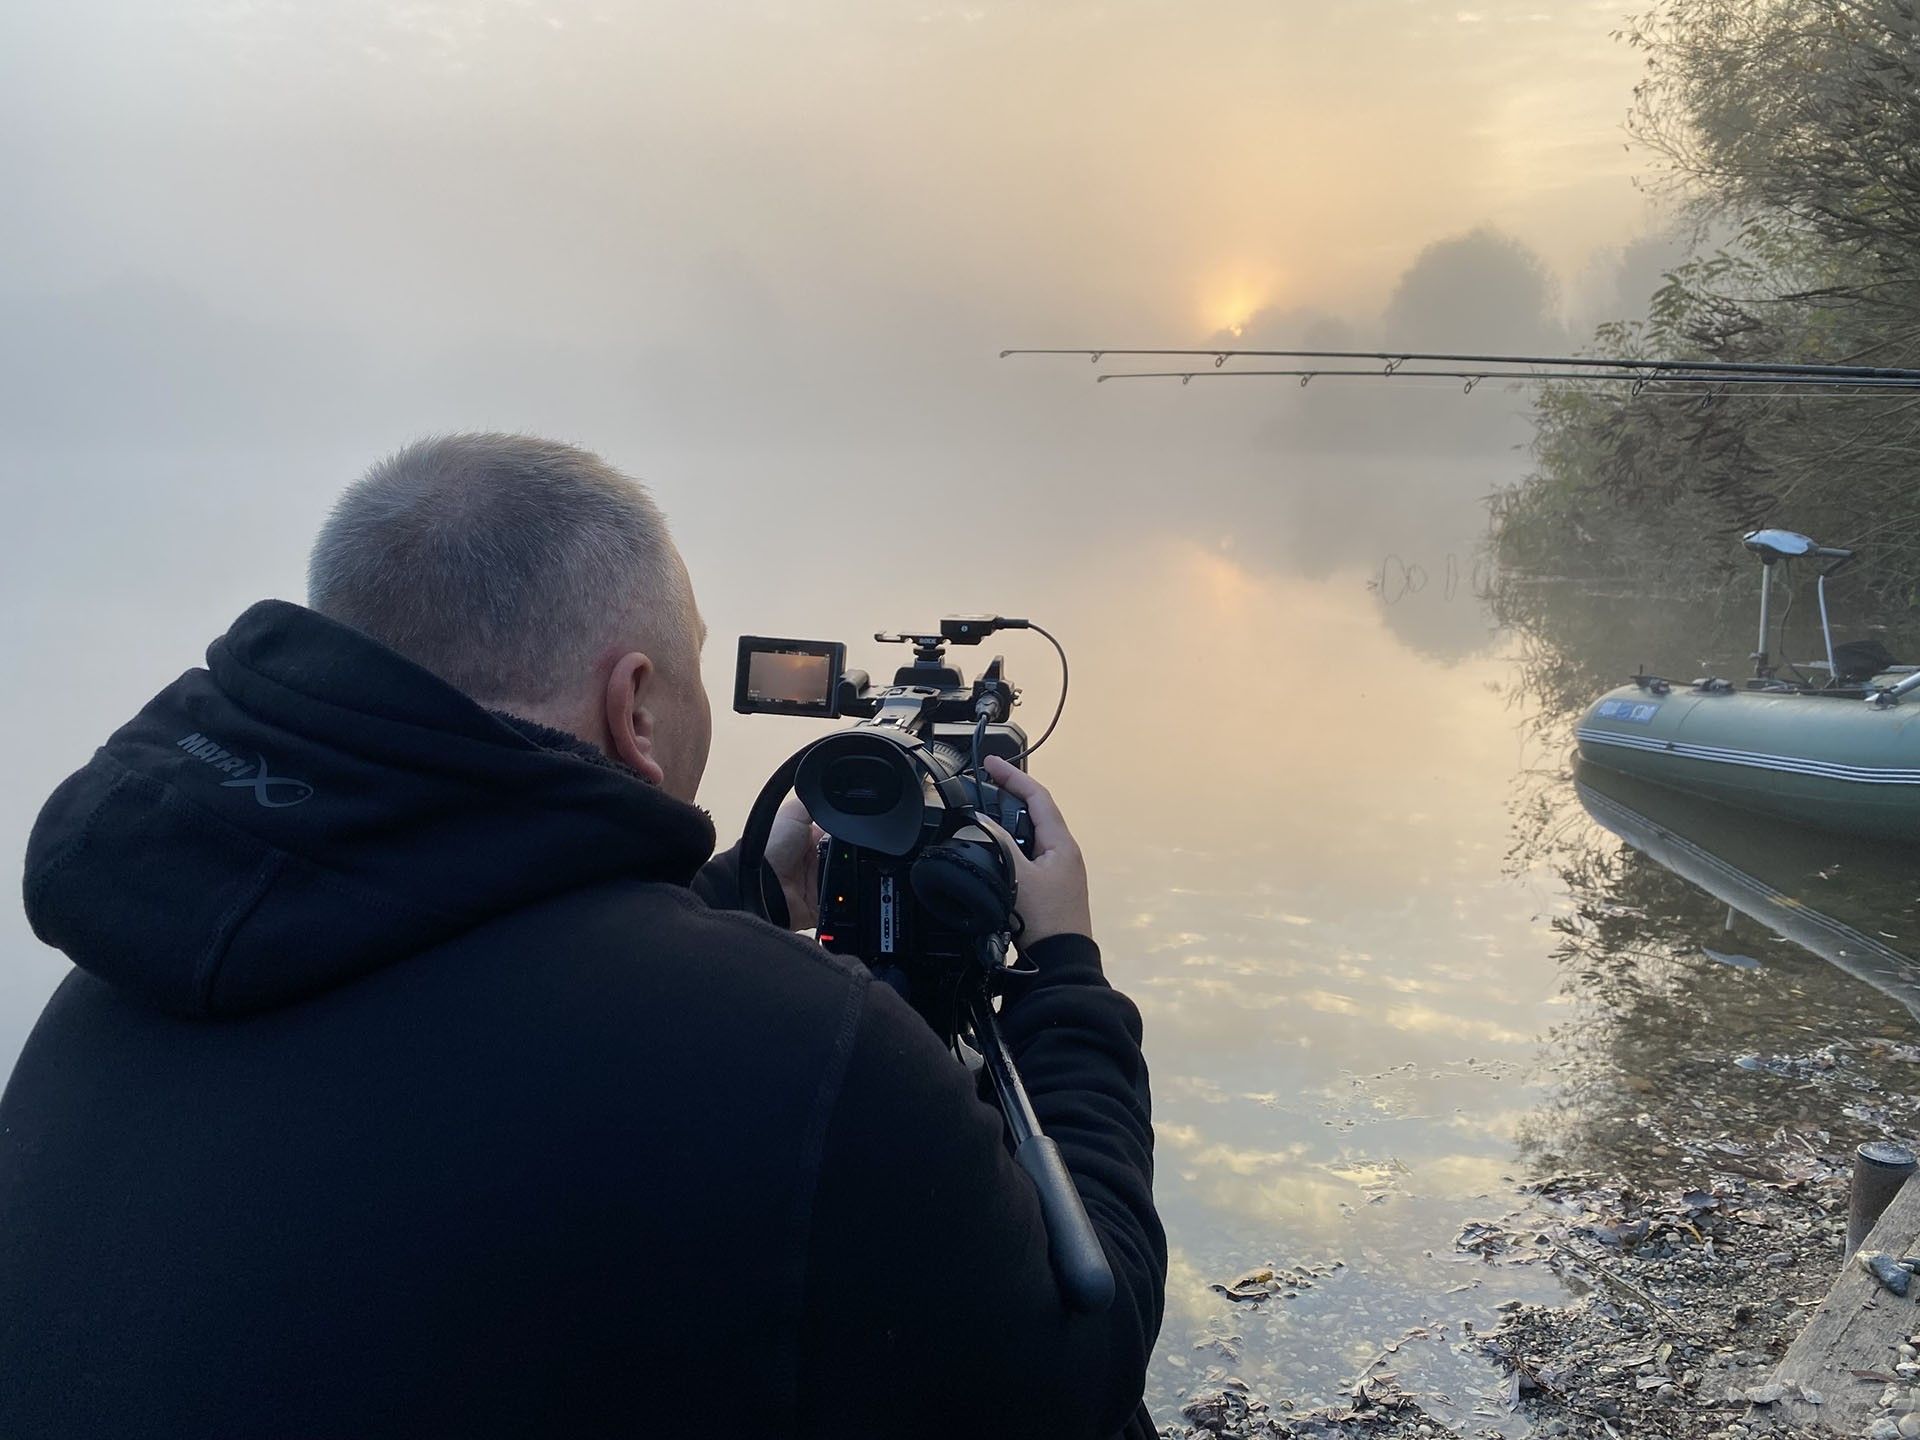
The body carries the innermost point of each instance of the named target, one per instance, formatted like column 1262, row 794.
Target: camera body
column 911, row 883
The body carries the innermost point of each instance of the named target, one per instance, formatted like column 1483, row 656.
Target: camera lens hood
column 864, row 787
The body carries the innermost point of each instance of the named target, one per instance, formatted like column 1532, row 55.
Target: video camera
column 912, row 883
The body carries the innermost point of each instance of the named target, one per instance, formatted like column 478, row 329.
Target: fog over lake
column 764, row 256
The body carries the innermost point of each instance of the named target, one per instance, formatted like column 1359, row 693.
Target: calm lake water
column 1390, row 967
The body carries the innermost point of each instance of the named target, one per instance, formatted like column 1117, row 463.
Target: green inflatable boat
column 1842, row 755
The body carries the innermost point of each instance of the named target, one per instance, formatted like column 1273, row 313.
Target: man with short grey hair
column 507, row 565
column 419, row 1076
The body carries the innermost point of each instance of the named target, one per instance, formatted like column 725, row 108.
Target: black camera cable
column 1065, row 676
column 977, row 764
column 1014, row 622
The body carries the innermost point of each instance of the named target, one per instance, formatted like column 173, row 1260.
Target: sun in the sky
column 1229, row 298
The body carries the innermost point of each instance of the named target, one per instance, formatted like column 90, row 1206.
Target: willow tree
column 1787, row 135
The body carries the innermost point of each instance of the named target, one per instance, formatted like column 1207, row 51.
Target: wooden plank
column 1857, row 1327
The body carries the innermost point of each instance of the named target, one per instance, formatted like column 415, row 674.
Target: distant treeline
column 1788, row 132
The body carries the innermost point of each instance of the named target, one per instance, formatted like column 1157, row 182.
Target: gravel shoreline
column 1682, row 1295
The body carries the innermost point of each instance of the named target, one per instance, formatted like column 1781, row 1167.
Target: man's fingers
column 1049, row 825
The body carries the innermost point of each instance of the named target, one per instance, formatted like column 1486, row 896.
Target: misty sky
column 424, row 174
column 763, row 255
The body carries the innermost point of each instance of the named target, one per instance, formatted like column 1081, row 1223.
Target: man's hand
column 1052, row 897
column 793, row 854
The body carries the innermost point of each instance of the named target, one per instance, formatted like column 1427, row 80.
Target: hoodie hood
column 311, row 807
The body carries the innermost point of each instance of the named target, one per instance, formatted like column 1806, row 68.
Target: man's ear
column 629, row 721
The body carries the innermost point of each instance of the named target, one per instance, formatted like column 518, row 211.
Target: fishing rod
column 1392, row 360
column 1664, row 383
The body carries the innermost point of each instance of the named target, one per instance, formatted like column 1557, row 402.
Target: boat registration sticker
column 1634, row 712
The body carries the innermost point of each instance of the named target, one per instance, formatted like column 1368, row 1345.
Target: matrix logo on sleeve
column 276, row 792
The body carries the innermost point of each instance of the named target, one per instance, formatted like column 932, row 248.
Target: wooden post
column 1859, row 1326
column 1880, row 1168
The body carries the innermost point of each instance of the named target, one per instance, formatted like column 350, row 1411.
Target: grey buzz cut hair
column 504, row 564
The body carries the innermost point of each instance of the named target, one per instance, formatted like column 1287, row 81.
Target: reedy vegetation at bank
column 1787, row 134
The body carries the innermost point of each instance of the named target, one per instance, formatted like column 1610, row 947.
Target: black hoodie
column 407, row 1086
